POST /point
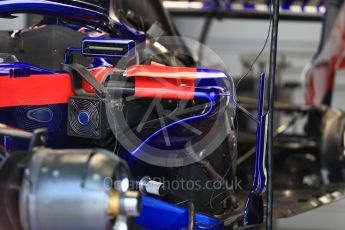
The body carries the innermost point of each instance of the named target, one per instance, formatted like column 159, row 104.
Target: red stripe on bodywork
column 35, row 90
column 42, row 89
column 156, row 81
column 100, row 74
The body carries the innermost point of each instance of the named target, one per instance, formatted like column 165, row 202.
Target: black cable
column 260, row 52
column 272, row 73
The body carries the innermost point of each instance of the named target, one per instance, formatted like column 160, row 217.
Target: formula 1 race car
column 105, row 115
column 94, row 82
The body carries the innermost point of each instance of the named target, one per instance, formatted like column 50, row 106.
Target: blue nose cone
column 83, row 117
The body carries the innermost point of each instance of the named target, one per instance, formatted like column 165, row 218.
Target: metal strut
column 272, row 73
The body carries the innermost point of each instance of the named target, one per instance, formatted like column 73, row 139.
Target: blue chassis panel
column 158, row 214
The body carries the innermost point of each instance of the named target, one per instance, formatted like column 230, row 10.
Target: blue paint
column 84, row 117
column 203, row 70
column 286, row 4
column 262, row 167
column 248, row 6
column 158, row 214
column 213, row 78
column 68, row 54
column 261, row 101
column 42, row 115
column 253, row 212
column 227, row 5
column 261, row 134
column 207, row 5
column 285, row 7
column 16, row 116
column 6, row 142
column 216, row 79
column 8, row 69
column 257, row 185
column 101, row 62
column 86, row 14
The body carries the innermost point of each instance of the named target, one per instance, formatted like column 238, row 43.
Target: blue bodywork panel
column 158, row 214
column 85, row 14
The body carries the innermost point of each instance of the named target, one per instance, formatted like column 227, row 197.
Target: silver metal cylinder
column 64, row 189
column 148, row 186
